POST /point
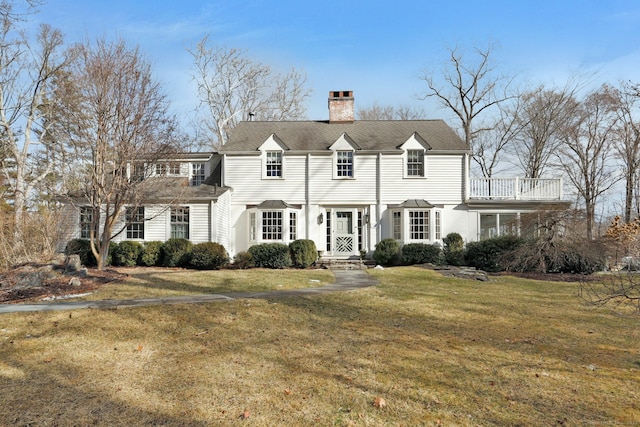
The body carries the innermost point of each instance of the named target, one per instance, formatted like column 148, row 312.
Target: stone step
column 341, row 264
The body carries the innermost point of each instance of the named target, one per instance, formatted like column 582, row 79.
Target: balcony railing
column 515, row 189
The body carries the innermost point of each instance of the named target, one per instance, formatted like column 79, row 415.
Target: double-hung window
column 86, row 222
column 271, row 225
column 135, row 223
column 197, row 174
column 273, row 164
column 415, row 163
column 180, row 222
column 418, row 225
column 344, row 164
column 397, row 225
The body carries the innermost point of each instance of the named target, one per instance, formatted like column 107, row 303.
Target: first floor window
column 272, row 225
column 161, row 169
column 135, row 223
column 397, row 225
column 419, row 225
column 86, row 222
column 344, row 164
column 293, row 226
column 180, row 222
column 252, row 227
column 438, row 226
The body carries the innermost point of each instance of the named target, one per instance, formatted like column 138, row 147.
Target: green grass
column 439, row 351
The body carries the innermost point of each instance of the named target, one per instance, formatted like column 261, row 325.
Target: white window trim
column 405, row 165
column 257, row 225
column 264, row 164
column 192, row 175
column 335, row 164
column 405, row 225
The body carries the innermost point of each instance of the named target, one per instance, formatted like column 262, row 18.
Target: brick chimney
column 341, row 106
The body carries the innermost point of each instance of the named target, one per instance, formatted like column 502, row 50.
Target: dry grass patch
column 162, row 282
column 438, row 351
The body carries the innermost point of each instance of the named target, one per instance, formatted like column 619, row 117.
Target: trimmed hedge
column 243, row 260
column 271, row 255
column 303, row 253
column 175, row 252
column 151, row 253
column 491, row 254
column 208, row 256
column 453, row 249
column 387, row 252
column 421, row 253
column 127, row 253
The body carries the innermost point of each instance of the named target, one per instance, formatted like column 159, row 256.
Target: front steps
column 343, row 263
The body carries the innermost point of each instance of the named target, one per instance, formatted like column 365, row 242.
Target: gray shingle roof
column 374, row 135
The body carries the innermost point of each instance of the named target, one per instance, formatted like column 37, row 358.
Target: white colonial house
column 345, row 184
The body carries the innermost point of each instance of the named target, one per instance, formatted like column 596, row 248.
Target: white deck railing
column 515, row 189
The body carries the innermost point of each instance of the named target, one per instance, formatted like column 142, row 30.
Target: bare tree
column 585, row 150
column 233, row 87
column 115, row 118
column 388, row 112
column 627, row 140
column 470, row 91
column 27, row 69
column 542, row 112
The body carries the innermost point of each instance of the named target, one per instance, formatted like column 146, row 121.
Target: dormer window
column 415, row 163
column 344, row 164
column 273, row 164
column 197, row 174
column 164, row 169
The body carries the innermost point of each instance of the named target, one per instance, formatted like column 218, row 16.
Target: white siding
column 199, row 222
column 221, row 216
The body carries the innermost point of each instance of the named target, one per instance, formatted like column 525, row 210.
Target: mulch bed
column 55, row 287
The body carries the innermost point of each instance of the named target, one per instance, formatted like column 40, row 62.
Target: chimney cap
column 341, row 94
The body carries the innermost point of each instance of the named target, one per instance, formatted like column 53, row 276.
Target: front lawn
column 427, row 350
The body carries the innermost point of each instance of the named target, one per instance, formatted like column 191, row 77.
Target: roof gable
column 415, row 142
column 345, row 142
column 273, row 143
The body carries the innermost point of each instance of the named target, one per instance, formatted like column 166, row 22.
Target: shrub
column 578, row 257
column 453, row 249
column 175, row 252
column 387, row 252
column 151, row 253
column 243, row 260
column 127, row 253
column 303, row 253
column 82, row 248
column 491, row 254
column 421, row 253
column 271, row 255
column 208, row 256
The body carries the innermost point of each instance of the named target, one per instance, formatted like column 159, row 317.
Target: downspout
column 378, row 198
column 307, row 216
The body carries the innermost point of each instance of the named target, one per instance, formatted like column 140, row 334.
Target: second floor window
column 415, row 163
column 86, row 222
column 197, row 174
column 274, row 164
column 344, row 164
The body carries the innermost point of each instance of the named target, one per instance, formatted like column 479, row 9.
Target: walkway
column 346, row 280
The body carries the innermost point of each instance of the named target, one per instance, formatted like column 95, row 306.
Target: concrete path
column 346, row 280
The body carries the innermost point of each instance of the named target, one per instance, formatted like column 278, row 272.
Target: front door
column 344, row 235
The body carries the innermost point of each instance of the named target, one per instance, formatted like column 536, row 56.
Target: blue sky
column 377, row 49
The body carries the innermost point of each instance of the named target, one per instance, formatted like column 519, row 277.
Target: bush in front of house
column 243, row 260
column 493, row 254
column 580, row 256
column 82, row 248
column 421, row 253
column 126, row 253
column 208, row 256
column 175, row 252
column 151, row 253
column 453, row 249
column 387, row 252
column 271, row 255
column 303, row 253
